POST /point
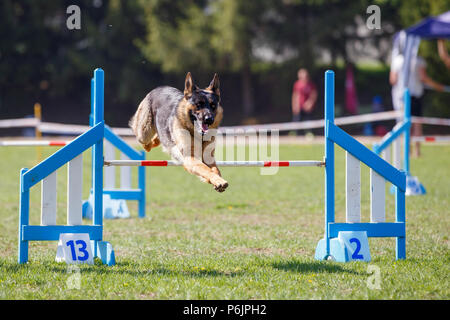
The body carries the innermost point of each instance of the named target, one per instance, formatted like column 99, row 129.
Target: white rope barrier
column 70, row 129
column 311, row 124
column 19, row 123
column 431, row 121
column 60, row 128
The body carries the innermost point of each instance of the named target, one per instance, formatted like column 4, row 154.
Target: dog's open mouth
column 201, row 127
column 205, row 128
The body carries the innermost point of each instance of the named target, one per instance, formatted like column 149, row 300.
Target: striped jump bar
column 168, row 163
column 25, row 143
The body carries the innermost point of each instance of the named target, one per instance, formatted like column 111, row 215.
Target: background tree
column 209, row 36
column 41, row 60
column 256, row 46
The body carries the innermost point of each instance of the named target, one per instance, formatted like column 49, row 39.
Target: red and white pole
column 169, row 163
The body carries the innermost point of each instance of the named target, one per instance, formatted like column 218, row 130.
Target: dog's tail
column 131, row 122
column 142, row 123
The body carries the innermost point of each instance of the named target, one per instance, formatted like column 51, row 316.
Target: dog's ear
column 214, row 86
column 188, row 86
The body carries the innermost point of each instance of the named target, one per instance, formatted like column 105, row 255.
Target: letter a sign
column 74, row 20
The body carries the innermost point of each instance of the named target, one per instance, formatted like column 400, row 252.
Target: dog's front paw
column 221, row 187
column 219, row 184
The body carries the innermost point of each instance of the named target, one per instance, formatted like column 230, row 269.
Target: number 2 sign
column 74, row 248
column 357, row 245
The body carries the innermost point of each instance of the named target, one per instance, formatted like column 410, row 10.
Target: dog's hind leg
column 155, row 141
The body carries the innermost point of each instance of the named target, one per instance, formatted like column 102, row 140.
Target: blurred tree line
column 255, row 46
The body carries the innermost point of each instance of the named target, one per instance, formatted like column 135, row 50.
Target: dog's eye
column 213, row 106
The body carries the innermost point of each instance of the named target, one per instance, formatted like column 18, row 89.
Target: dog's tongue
column 204, row 127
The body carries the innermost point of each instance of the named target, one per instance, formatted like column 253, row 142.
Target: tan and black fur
column 181, row 122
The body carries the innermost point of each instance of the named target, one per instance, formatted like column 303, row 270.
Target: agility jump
column 125, row 192
column 330, row 247
column 390, row 145
column 114, row 198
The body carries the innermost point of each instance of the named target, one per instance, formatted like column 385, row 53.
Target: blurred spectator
column 418, row 78
column 304, row 96
column 443, row 54
column 377, row 106
column 375, row 127
column 351, row 100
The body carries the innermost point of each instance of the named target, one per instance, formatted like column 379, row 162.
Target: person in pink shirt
column 304, row 96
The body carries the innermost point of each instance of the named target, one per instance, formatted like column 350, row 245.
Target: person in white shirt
column 418, row 78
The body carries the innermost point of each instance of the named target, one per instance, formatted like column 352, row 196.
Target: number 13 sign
column 74, row 248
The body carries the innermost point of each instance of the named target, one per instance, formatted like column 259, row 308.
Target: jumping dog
column 180, row 121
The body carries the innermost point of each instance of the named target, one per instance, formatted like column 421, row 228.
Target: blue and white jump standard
column 331, row 246
column 46, row 172
column 383, row 148
column 114, row 199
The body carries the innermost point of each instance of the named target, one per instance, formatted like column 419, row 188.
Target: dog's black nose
column 209, row 120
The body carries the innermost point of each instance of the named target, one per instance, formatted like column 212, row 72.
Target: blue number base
column 413, row 187
column 338, row 251
column 112, row 208
column 105, row 252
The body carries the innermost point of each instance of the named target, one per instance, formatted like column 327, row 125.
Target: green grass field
column 254, row 241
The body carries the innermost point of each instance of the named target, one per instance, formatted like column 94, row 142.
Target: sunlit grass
column 254, row 241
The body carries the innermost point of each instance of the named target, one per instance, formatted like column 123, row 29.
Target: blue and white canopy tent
column 407, row 41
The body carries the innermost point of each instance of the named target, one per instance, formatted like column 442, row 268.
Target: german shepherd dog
column 180, row 121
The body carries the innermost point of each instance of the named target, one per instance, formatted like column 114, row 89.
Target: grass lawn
column 254, row 241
